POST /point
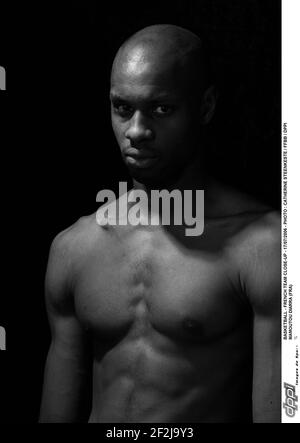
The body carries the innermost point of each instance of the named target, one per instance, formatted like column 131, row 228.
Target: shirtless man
column 149, row 325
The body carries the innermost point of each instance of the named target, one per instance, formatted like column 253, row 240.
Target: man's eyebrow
column 115, row 96
column 155, row 97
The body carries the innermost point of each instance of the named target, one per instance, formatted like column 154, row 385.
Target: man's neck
column 216, row 194
column 191, row 178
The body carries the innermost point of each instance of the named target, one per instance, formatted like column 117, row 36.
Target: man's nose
column 139, row 129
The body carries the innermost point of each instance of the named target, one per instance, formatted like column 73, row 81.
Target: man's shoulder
column 253, row 223
column 76, row 239
column 261, row 231
column 255, row 244
column 67, row 252
column 257, row 258
column 257, row 237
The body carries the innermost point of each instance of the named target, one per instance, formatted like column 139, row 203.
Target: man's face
column 154, row 119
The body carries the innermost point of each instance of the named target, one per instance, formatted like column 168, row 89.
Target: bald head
column 172, row 52
column 159, row 101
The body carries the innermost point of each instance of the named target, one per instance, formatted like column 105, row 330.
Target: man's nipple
column 192, row 326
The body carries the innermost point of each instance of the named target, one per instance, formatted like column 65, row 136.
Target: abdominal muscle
column 154, row 379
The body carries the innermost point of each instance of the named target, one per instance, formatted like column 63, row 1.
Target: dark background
column 59, row 149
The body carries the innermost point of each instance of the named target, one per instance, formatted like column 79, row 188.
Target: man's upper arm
column 262, row 279
column 59, row 292
column 67, row 367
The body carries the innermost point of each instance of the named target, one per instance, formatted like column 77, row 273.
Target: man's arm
column 262, row 277
column 66, row 391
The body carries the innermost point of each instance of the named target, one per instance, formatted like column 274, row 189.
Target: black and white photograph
column 149, row 280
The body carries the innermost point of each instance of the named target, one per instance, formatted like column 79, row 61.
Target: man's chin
column 153, row 178
column 145, row 176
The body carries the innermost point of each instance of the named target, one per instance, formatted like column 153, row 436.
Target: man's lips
column 140, row 158
column 146, row 162
column 139, row 153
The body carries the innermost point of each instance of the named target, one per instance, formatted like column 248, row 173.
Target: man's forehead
column 149, row 92
column 136, row 61
column 147, row 76
column 147, row 60
column 140, row 63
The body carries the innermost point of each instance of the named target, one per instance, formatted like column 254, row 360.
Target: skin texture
column 149, row 325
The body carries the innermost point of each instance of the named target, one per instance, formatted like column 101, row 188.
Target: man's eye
column 162, row 110
column 122, row 110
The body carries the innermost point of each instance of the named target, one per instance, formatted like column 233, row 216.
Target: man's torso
column 171, row 327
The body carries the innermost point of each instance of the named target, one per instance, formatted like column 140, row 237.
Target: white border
column 291, row 116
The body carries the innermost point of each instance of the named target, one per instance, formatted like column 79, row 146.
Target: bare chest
column 148, row 282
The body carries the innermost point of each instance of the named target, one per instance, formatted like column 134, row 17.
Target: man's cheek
column 116, row 126
column 118, row 134
column 176, row 130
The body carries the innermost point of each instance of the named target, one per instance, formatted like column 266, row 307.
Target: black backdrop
column 60, row 149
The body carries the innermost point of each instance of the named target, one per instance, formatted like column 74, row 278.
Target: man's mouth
column 141, row 162
column 140, row 158
column 139, row 153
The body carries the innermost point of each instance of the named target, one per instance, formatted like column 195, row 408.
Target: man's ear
column 208, row 106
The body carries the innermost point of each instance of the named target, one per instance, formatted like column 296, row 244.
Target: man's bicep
column 67, row 371
column 58, row 286
column 263, row 287
column 66, row 330
column 266, row 369
column 266, row 351
column 67, row 376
